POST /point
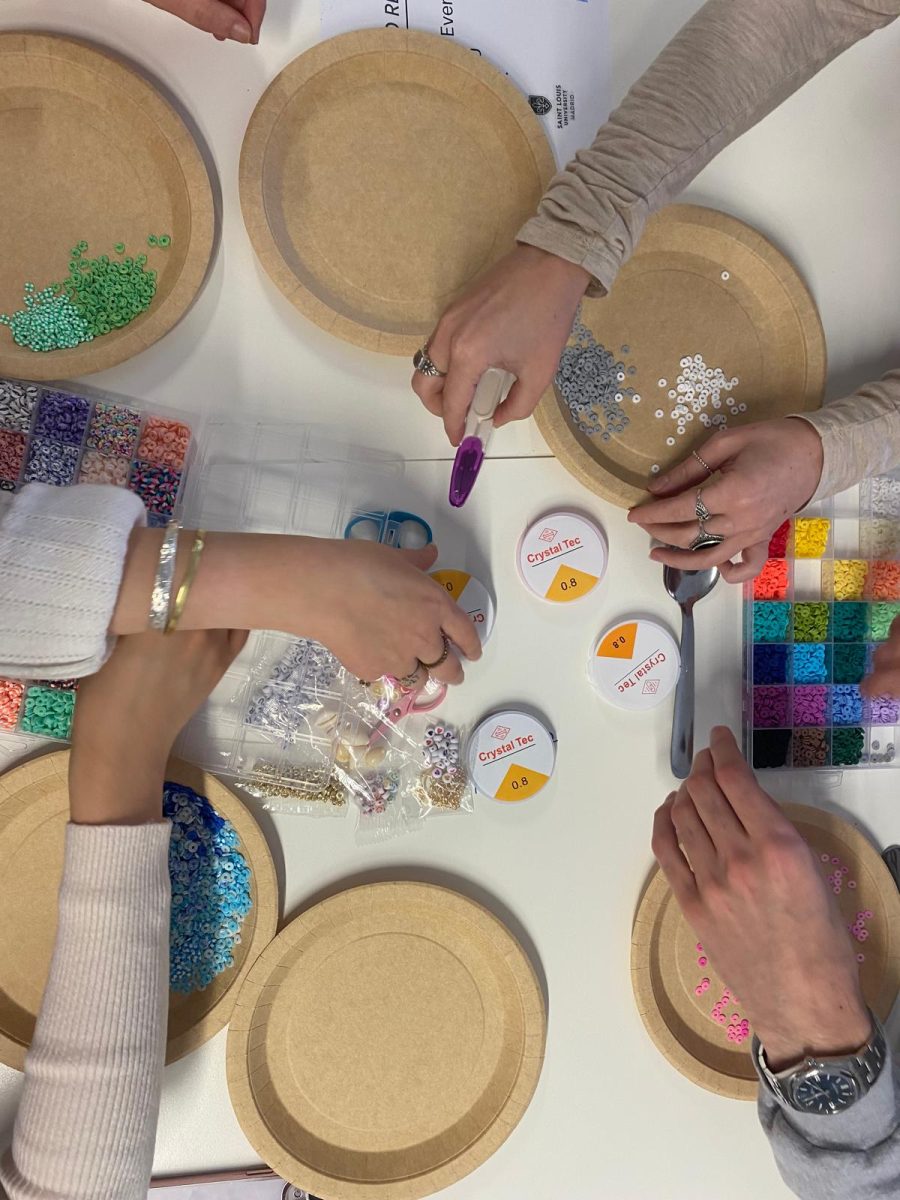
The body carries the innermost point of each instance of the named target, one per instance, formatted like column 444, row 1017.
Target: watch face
column 825, row 1092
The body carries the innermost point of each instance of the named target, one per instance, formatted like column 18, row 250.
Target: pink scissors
column 407, row 704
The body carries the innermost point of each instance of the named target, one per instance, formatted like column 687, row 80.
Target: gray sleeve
column 730, row 66
column 853, row 1156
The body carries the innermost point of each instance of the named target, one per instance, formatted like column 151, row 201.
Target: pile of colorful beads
column 697, row 387
column 211, row 890
column 811, row 536
column 108, row 295
column 849, row 621
column 779, row 540
column 17, row 404
column 299, row 679
column 12, row 455
column 810, row 748
column 772, row 581
column 884, row 581
column 380, row 793
column 845, row 578
column 846, row 705
column 98, row 468
column 441, row 750
column 11, row 697
column 771, row 621
column 849, row 663
column 811, row 662
column 811, row 705
column 858, row 928
column 770, row 663
column 47, row 320
column 811, row 621
column 48, row 712
column 883, row 710
column 115, row 429
column 51, row 462
column 63, row 417
column 165, row 442
column 880, row 538
column 847, row 747
column 771, row 707
column 881, row 617
column 156, row 486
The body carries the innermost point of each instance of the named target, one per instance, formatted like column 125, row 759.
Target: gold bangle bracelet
column 185, row 590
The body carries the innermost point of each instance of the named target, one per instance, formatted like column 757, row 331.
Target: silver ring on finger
column 704, row 539
column 703, row 513
column 424, row 365
column 415, row 677
column 705, row 465
column 444, row 655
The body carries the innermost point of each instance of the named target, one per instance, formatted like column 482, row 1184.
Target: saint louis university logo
column 540, row 104
column 500, row 732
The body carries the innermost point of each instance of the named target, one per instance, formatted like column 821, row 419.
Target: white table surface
column 610, row 1117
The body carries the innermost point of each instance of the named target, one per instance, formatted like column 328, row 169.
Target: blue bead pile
column 847, row 705
column 770, row 664
column 62, row 417
column 51, row 462
column 210, row 890
column 811, row 662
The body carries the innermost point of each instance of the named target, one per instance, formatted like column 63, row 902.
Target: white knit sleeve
column 62, row 552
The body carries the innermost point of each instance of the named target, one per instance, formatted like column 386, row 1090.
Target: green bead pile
column 48, row 321
column 846, row 747
column 48, row 713
column 881, row 618
column 849, row 663
column 96, row 297
column 811, row 622
column 108, row 294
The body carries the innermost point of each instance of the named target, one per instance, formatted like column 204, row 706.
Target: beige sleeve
column 733, row 63
column 86, row 1126
column 860, row 435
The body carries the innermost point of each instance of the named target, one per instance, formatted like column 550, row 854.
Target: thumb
column 212, row 16
column 690, row 471
column 422, row 559
column 522, row 400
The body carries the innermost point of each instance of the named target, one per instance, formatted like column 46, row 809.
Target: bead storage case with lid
column 62, row 434
column 813, row 617
column 273, row 716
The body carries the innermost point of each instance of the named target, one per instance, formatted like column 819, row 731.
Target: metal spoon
column 686, row 588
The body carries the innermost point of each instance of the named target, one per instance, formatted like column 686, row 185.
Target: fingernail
column 240, row 32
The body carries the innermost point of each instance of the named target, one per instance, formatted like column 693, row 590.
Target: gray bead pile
column 593, row 383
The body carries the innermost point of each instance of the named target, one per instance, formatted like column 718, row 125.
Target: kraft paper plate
column 700, row 283
column 34, row 803
column 386, row 1043
column 381, row 172
column 89, row 151
column 665, row 971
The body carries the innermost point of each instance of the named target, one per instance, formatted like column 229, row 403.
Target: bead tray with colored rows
column 813, row 618
column 63, row 434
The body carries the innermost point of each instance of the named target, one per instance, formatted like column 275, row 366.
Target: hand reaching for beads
column 517, row 317
column 128, row 715
column 767, row 472
column 754, row 894
column 885, row 677
column 226, row 20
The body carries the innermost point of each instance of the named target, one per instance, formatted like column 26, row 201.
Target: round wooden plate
column 34, row 809
column 381, row 172
column 699, row 283
column 665, row 970
column 386, row 1043
column 90, row 151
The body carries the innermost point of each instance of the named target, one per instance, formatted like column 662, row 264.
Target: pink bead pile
column 164, row 442
column 11, row 697
column 737, row 1028
column 97, row 468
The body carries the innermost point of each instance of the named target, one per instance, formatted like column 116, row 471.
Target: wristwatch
column 826, row 1086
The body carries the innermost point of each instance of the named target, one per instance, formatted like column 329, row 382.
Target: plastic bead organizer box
column 813, row 618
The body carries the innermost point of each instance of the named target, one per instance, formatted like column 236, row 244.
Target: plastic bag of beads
column 308, row 796
column 300, row 696
column 438, row 780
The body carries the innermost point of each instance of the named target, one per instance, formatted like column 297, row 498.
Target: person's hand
column 128, row 715
column 375, row 608
column 768, row 471
column 754, row 894
column 885, row 677
column 226, row 20
column 517, row 317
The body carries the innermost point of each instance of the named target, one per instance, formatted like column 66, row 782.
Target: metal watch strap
column 865, row 1066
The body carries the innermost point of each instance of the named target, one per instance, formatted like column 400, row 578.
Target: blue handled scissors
column 394, row 528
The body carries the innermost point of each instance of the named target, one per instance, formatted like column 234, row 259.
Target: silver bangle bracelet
column 161, row 596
